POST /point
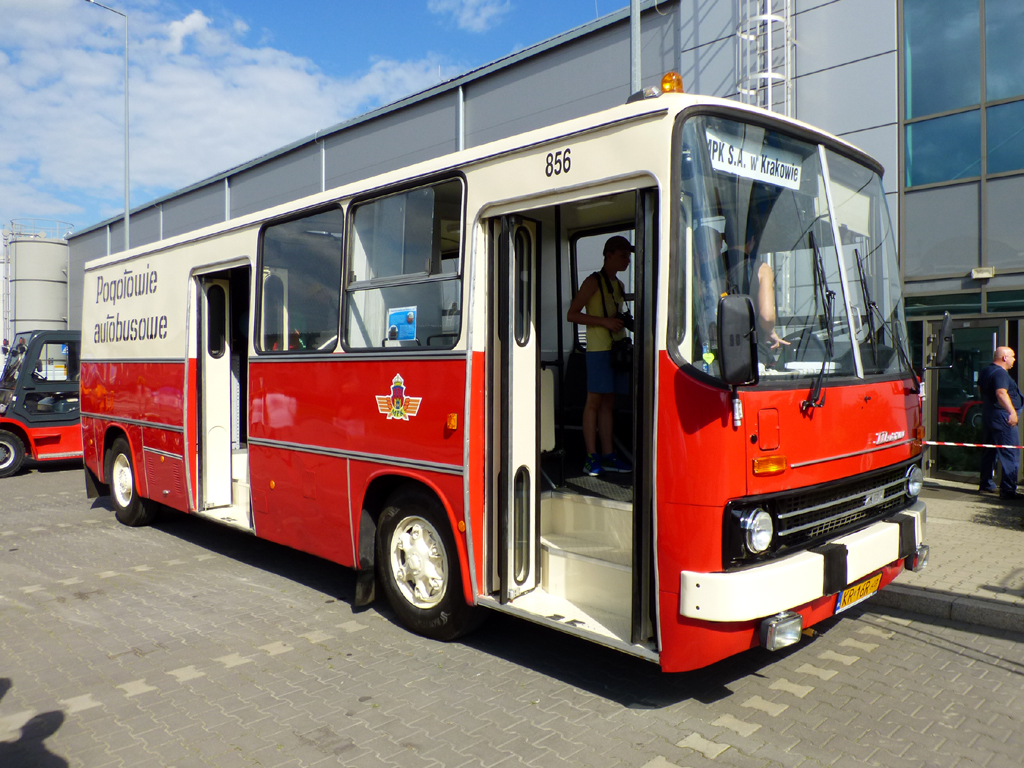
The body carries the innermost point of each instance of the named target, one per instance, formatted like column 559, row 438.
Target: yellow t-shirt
column 602, row 305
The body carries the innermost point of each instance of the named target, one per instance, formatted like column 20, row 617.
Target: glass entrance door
column 955, row 412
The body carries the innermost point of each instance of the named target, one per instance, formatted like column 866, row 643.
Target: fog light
column 781, row 630
column 914, row 481
column 919, row 560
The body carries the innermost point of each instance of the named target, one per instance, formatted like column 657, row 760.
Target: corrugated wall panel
column 844, row 31
column 81, row 249
column 199, row 208
column 710, row 69
column 145, row 227
column 868, row 95
column 583, row 77
column 590, row 75
column 706, row 21
column 277, row 181
column 410, row 135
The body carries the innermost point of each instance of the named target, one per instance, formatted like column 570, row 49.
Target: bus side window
column 404, row 285
column 301, row 287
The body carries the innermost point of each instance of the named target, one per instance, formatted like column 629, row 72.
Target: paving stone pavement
column 976, row 569
column 188, row 644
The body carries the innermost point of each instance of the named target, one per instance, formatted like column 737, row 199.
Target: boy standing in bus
column 601, row 295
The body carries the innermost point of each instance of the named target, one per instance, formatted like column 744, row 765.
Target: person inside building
column 1001, row 408
column 601, row 295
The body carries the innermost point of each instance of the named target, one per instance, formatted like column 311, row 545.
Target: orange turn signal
column 672, row 82
column 453, row 422
column 769, row 465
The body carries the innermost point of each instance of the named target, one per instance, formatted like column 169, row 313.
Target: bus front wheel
column 12, row 453
column 419, row 567
column 129, row 507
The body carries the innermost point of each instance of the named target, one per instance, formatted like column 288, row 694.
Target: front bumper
column 802, row 577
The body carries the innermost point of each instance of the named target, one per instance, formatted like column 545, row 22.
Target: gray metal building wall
column 575, row 74
column 843, row 49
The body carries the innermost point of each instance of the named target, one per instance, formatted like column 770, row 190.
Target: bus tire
column 129, row 508
column 973, row 417
column 419, row 568
column 12, row 453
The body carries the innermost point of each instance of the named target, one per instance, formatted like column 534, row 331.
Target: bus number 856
column 557, row 163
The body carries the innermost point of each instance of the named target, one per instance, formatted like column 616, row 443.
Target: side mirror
column 737, row 340
column 944, row 344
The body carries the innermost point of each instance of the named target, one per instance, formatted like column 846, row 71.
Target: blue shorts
column 601, row 379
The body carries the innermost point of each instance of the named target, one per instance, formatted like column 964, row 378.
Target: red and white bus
column 383, row 375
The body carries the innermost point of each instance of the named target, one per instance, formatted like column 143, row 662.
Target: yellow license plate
column 856, row 593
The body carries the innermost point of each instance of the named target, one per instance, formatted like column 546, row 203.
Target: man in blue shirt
column 1001, row 407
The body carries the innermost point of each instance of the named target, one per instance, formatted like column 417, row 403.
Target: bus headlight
column 758, row 530
column 914, row 481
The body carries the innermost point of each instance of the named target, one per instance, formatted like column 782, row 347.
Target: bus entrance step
column 587, row 572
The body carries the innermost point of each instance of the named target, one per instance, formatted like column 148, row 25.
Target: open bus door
column 570, row 550
column 221, row 395
column 214, row 393
column 520, row 396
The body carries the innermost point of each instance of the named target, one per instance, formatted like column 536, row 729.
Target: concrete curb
column 979, row 611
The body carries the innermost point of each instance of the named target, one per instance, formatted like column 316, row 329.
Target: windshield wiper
column 899, row 343
column 828, row 297
column 897, row 339
column 869, row 304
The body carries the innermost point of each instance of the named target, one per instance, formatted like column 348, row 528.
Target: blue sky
column 215, row 83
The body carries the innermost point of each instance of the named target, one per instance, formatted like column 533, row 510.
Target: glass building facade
column 962, row 198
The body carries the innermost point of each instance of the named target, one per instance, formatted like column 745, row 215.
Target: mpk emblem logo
column 397, row 405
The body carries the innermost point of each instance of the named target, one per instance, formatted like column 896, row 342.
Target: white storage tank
column 35, row 276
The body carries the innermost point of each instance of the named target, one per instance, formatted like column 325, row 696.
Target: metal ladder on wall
column 764, row 54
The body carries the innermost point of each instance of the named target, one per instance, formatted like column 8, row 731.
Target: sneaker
column 610, row 462
column 592, row 466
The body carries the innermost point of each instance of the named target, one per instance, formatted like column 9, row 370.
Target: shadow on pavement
column 335, row 581
column 991, row 510
column 928, row 631
column 28, row 751
column 627, row 680
column 611, row 674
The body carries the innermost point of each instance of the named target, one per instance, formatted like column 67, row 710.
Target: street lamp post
column 127, row 185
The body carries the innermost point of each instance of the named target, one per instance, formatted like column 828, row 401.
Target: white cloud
column 193, row 24
column 202, row 101
column 472, row 15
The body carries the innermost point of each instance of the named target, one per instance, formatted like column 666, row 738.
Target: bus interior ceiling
column 586, row 523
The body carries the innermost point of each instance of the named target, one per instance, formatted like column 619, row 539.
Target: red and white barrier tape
column 970, row 445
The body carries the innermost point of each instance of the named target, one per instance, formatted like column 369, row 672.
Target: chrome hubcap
column 6, row 455
column 419, row 562
column 121, row 480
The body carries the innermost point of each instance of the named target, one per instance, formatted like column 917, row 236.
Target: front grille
column 806, row 517
column 803, row 518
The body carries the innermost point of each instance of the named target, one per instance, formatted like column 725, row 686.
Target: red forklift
column 39, row 406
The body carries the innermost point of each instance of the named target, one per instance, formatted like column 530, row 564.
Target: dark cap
column 618, row 243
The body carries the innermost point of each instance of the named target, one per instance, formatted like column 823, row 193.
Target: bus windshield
column 761, row 212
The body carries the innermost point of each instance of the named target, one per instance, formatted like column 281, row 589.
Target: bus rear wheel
column 12, row 453
column 129, row 508
column 419, row 568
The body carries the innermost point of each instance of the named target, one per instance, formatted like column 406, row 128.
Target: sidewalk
column 975, row 572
